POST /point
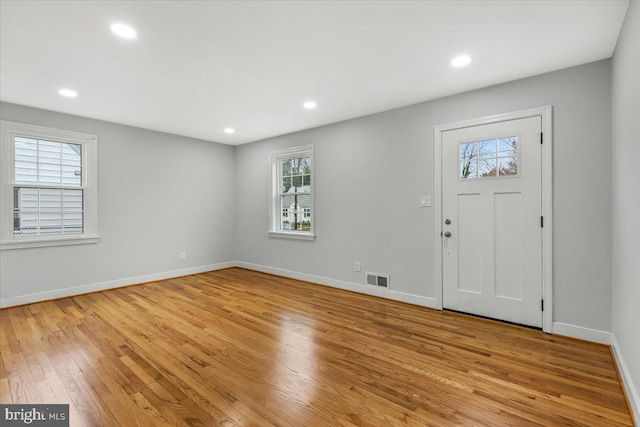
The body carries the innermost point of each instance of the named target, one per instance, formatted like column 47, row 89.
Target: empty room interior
column 320, row 213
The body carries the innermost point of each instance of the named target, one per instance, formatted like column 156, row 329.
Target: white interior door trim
column 545, row 113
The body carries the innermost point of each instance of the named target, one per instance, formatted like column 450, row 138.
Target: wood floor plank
column 5, row 393
column 238, row 347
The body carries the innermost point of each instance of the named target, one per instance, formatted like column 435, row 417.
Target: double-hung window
column 48, row 186
column 292, row 211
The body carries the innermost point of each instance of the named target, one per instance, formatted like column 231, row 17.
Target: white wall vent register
column 376, row 279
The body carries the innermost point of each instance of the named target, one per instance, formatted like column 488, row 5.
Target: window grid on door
column 489, row 158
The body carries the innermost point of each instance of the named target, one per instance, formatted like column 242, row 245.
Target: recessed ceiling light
column 124, row 31
column 309, row 105
column 461, row 61
column 68, row 93
column 229, row 130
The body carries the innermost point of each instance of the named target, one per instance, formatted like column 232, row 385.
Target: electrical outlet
column 183, row 256
column 357, row 266
column 424, row 201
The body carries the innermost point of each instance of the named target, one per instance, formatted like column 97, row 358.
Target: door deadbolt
column 447, row 221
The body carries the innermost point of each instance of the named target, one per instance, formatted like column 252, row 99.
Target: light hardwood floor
column 236, row 347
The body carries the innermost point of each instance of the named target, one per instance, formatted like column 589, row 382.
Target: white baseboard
column 608, row 338
column 582, row 333
column 77, row 290
column 349, row 286
column 632, row 391
column 112, row 284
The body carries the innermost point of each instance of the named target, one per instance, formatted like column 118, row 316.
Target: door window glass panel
column 486, row 167
column 488, row 158
column 508, row 166
column 487, row 149
column 508, row 146
column 469, row 169
column 468, row 151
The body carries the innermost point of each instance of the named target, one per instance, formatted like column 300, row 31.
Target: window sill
column 292, row 236
column 41, row 243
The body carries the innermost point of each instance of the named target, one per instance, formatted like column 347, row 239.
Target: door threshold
column 493, row 319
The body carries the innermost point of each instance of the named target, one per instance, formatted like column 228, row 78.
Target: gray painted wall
column 159, row 194
column 370, row 172
column 626, row 195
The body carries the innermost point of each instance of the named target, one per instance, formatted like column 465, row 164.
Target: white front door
column 491, row 213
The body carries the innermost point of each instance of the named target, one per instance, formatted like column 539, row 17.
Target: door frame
column 545, row 113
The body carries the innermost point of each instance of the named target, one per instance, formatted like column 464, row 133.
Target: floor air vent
column 376, row 279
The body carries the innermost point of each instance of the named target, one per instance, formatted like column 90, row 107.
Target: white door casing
column 496, row 261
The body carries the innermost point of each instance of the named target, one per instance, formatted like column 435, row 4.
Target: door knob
column 447, row 234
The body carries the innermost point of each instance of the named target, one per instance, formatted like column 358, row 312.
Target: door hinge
column 541, row 221
column 541, row 137
column 542, row 304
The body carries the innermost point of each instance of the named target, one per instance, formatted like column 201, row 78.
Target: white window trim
column 274, row 213
column 8, row 132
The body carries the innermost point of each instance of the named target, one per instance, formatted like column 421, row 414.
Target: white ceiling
column 198, row 67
